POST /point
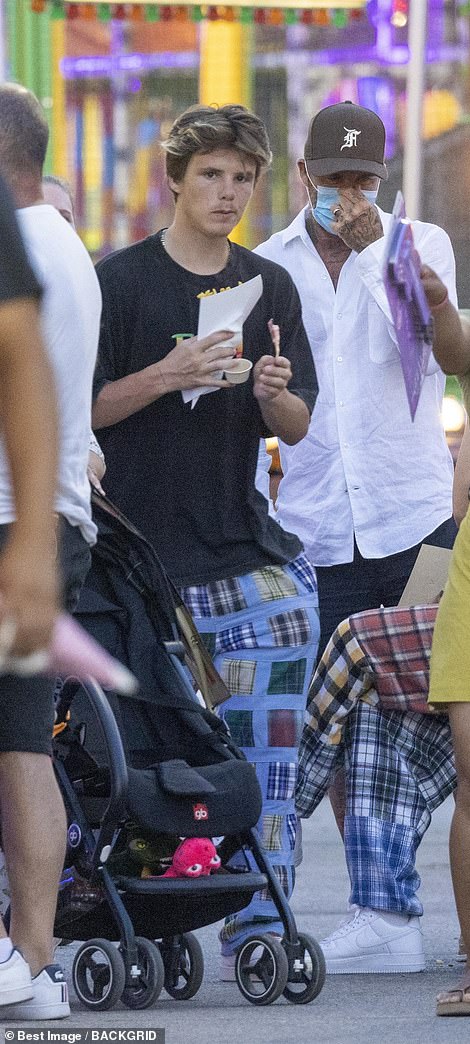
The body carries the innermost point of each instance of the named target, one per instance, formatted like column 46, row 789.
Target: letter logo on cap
column 350, row 139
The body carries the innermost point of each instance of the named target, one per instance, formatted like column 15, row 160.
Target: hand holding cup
column 196, row 363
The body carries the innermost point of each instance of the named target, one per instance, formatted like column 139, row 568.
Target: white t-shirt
column 365, row 469
column 70, row 316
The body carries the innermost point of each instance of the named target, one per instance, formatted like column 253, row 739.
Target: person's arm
column 96, row 468
column 285, row 414
column 451, row 341
column 190, row 364
column 28, row 583
column 435, row 250
column 461, row 486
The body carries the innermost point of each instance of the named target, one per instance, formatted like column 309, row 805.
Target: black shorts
column 27, row 704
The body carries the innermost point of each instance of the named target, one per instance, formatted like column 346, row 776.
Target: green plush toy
column 136, row 852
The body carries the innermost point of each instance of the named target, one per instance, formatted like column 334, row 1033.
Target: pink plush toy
column 194, row 857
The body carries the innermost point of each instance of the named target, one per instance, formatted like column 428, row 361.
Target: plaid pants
column 262, row 632
column 367, row 711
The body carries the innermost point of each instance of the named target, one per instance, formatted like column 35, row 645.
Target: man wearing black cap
column 367, row 486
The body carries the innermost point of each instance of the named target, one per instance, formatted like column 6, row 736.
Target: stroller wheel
column 98, row 974
column 148, row 985
column 261, row 969
column 184, row 966
column 305, row 983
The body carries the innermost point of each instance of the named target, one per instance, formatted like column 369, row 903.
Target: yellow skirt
column 450, row 654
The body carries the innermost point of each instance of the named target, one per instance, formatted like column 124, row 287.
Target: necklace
column 229, row 247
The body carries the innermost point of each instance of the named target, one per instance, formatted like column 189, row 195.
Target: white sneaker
column 15, row 979
column 49, row 1000
column 368, row 943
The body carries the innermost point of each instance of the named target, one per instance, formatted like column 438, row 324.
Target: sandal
column 455, row 1001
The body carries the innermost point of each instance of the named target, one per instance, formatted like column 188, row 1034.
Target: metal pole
column 3, row 48
column 412, row 166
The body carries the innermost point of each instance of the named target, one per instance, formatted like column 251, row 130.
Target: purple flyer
column 410, row 311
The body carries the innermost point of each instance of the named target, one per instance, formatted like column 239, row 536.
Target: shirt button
column 340, row 315
column 339, row 358
column 342, row 404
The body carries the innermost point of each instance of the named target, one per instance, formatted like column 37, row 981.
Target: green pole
column 29, row 47
column 12, row 17
column 42, row 39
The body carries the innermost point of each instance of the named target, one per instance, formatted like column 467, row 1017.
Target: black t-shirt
column 16, row 276
column 186, row 476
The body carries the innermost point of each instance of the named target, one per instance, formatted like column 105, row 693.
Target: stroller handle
column 115, row 754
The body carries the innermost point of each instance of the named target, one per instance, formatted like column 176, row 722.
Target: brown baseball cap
column 345, row 137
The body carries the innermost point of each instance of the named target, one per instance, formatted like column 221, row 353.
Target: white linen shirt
column 365, row 469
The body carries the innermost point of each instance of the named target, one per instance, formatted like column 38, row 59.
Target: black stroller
column 139, row 773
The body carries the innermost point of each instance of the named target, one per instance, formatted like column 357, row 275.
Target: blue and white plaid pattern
column 270, row 680
column 291, row 823
column 304, row 571
column 399, row 769
column 381, row 862
column 219, row 598
column 197, row 602
column 282, row 778
column 240, row 636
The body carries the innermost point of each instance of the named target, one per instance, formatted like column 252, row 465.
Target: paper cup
column 239, row 372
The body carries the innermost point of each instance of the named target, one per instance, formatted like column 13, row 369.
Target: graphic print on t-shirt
column 178, row 337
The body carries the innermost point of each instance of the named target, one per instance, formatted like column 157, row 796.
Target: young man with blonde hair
column 187, row 476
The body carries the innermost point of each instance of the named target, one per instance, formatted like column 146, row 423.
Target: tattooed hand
column 357, row 221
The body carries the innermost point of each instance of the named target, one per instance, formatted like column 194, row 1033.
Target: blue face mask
column 328, row 198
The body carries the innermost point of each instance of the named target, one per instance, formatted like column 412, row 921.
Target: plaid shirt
column 399, row 764
column 380, row 657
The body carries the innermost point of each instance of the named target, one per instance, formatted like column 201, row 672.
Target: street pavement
column 381, row 1009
